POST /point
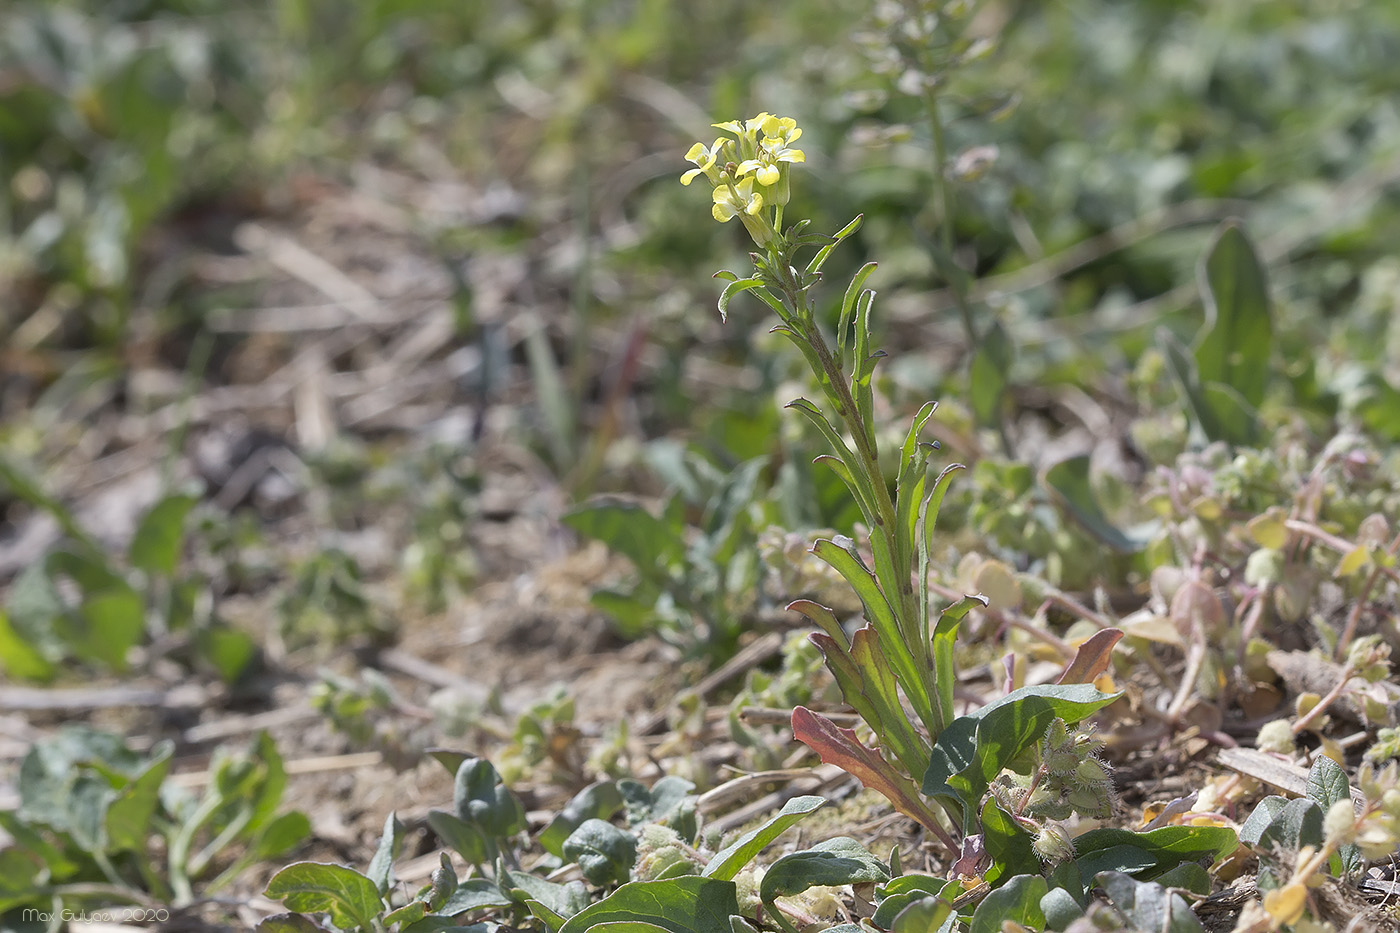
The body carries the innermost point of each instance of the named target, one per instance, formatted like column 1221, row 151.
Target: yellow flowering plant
column 902, row 659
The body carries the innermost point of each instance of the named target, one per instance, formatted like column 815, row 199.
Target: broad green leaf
column 34, row 608
column 1328, row 784
column 475, row 894
column 20, row 659
column 1298, row 824
column 551, row 920
column 106, row 626
column 309, row 887
column 1188, row 876
column 1018, row 901
column 563, row 900
column 661, row 803
column 156, row 546
column 837, row 861
column 228, row 650
column 630, row 530
column 288, row 923
column 39, row 852
column 596, row 801
column 53, row 765
column 281, row 835
column 435, row 924
column 840, row 747
column 965, row 748
column 1149, row 906
column 479, row 797
column 603, row 852
column 1152, row 852
column 1069, row 484
column 681, row 905
column 466, row 838
column 899, row 892
column 728, row 861
column 1234, row 347
column 1010, row 846
column 1060, row 909
column 929, row 914
column 130, row 813
column 1264, row 813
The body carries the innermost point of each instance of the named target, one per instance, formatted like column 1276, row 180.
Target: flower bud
column 1339, row 827
column 1053, row 844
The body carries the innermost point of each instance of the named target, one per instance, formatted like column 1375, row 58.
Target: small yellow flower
column 704, row 158
column 734, row 199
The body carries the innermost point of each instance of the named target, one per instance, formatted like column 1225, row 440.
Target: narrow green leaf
column 735, row 287
column 848, row 307
column 381, row 864
column 863, row 367
column 733, row 857
column 989, row 373
column 877, row 608
column 945, row 636
column 823, row 617
column 848, row 676
column 892, row 725
column 1235, row 345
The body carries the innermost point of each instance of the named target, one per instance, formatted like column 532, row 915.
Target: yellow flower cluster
column 749, row 172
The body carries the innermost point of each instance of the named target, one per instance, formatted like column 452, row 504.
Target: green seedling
column 100, row 824
column 81, row 603
column 694, row 586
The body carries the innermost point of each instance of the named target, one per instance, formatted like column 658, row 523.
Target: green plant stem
column 943, row 203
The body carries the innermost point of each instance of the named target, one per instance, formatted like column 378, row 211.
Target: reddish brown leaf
column 1091, row 659
column 840, row 747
